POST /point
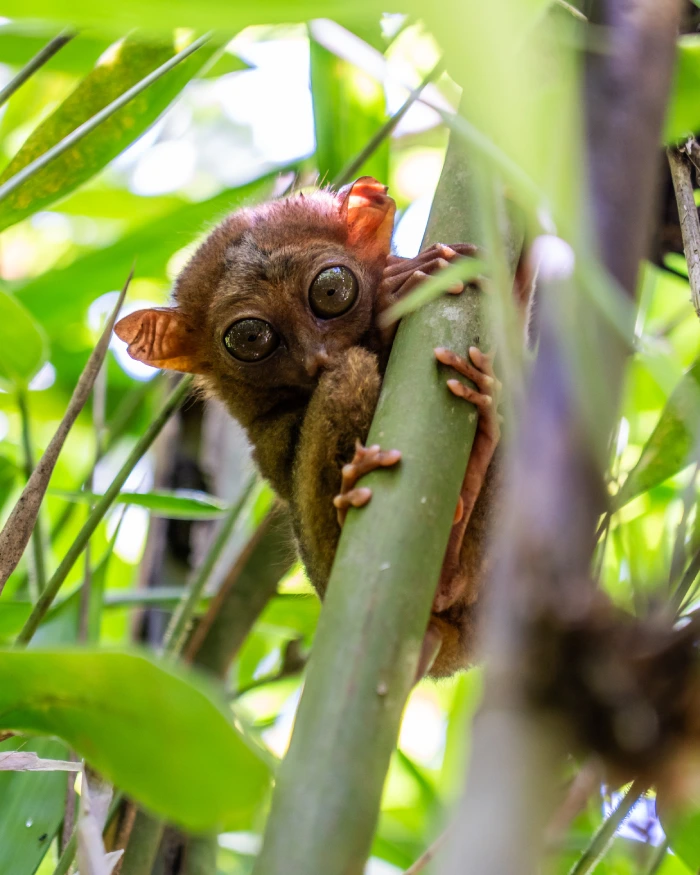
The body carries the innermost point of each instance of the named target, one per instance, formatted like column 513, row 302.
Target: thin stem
column 87, row 127
column 688, row 215
column 35, row 64
column 66, row 859
column 428, row 855
column 657, row 858
column 176, row 633
column 37, row 576
column 175, row 399
column 602, row 839
column 349, row 172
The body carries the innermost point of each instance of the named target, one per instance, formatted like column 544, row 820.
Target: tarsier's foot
column 366, row 459
column 401, row 275
column 485, row 397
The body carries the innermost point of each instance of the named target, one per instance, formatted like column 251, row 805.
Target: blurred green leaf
column 8, row 477
column 226, row 63
column 21, row 41
column 176, row 504
column 683, row 116
column 60, row 298
column 669, row 448
column 23, row 346
column 126, row 63
column 159, row 733
column 682, row 828
column 13, row 615
column 31, row 807
column 349, row 107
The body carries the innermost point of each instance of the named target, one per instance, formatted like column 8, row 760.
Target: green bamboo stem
column 384, row 577
column 87, row 127
column 174, row 400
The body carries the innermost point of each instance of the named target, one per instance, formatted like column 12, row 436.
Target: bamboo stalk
column 383, row 580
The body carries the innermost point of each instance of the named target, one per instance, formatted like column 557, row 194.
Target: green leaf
column 683, row 116
column 670, row 445
column 31, row 807
column 682, row 828
column 125, row 64
column 349, row 108
column 175, row 504
column 60, row 298
column 13, row 615
column 8, row 477
column 161, row 734
column 23, row 345
column 20, row 42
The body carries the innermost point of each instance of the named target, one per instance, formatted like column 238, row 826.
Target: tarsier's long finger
column 358, row 497
column 479, row 370
column 366, row 459
column 396, row 264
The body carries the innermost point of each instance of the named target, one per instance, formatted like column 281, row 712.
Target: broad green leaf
column 671, row 443
column 682, row 828
column 123, row 65
column 159, row 15
column 683, row 117
column 23, row 346
column 159, row 733
column 13, row 615
column 176, row 504
column 60, row 298
column 349, row 108
column 31, row 807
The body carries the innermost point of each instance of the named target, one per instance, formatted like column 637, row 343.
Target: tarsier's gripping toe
column 366, row 459
column 486, row 396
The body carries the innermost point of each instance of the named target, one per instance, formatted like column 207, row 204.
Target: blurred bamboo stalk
column 544, row 543
column 36, row 63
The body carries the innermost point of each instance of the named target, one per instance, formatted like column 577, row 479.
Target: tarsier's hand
column 401, row 275
column 366, row 459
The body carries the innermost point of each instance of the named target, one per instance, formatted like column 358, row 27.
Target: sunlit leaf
column 673, row 440
column 682, row 827
column 23, row 345
column 683, row 116
column 125, row 64
column 31, row 807
column 13, row 615
column 160, row 734
column 176, row 504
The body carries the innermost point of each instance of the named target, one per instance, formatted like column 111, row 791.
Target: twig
column 87, row 127
column 171, row 404
column 35, row 64
column 22, row 519
column 602, row 839
column 688, row 215
column 348, row 173
column 428, row 855
column 37, row 574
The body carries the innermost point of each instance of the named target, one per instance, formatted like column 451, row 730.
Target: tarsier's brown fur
column 305, row 407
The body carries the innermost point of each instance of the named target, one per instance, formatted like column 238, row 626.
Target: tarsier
column 278, row 313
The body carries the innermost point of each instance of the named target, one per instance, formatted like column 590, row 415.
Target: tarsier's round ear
column 162, row 338
column 369, row 213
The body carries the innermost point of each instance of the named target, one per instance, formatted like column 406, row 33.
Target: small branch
column 171, row 404
column 688, row 215
column 427, row 857
column 22, row 520
column 36, row 63
column 602, row 839
column 37, row 573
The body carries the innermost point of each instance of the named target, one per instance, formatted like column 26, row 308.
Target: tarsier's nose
column 316, row 360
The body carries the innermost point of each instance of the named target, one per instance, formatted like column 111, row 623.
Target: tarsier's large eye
column 251, row 340
column 333, row 292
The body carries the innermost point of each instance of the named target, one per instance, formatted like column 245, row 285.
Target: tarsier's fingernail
column 447, row 252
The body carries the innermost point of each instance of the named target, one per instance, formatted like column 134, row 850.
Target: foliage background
column 275, row 101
